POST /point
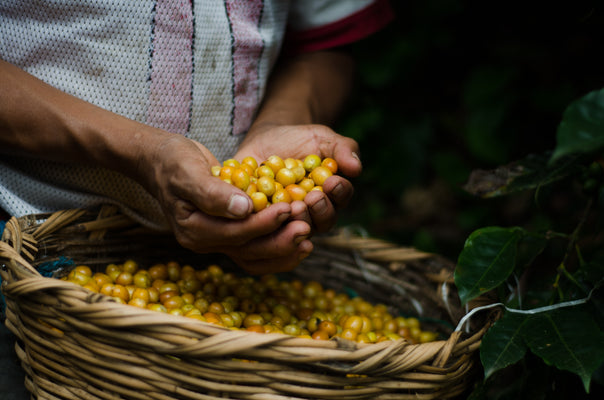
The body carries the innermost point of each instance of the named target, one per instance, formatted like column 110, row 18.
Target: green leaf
column 582, row 127
column 503, row 344
column 567, row 338
column 487, row 259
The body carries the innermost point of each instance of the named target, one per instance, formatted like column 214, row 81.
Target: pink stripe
column 347, row 30
column 171, row 66
column 244, row 17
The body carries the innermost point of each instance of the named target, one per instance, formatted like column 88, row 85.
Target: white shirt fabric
column 196, row 68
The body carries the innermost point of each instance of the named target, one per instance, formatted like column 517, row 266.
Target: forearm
column 308, row 89
column 303, row 99
column 43, row 122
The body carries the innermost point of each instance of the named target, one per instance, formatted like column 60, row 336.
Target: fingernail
column 337, row 190
column 300, row 239
column 319, row 206
column 239, row 206
column 283, row 216
column 355, row 155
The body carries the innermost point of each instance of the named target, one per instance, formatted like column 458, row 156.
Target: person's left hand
column 298, row 141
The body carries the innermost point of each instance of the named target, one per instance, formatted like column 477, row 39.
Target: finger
column 283, row 263
column 219, row 198
column 300, row 212
column 322, row 211
column 285, row 241
column 349, row 161
column 200, row 232
column 189, row 178
column 346, row 152
column 339, row 190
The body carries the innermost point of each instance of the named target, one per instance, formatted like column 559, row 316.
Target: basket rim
column 21, row 235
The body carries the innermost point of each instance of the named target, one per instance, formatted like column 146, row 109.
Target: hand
column 299, row 141
column 303, row 91
column 208, row 215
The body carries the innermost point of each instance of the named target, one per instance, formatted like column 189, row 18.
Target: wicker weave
column 75, row 344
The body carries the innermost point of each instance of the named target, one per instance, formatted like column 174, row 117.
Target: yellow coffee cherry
column 240, row 178
column 311, row 161
column 130, row 266
column 259, row 200
column 290, row 163
column 137, row 302
column 78, row 277
column 266, row 185
column 330, row 164
column 299, row 172
column 307, row 184
column 265, row 170
column 101, row 278
column 285, row 177
column 320, row 174
column 215, row 170
column 296, row 192
column 83, row 269
column 231, row 162
column 142, row 279
column 226, row 172
column 251, row 161
column 275, row 163
column 92, row 286
column 249, row 170
column 281, row 196
column 252, row 188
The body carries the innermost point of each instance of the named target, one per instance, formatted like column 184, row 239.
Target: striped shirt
column 195, row 68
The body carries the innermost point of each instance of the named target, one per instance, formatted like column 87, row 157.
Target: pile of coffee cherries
column 275, row 179
column 262, row 304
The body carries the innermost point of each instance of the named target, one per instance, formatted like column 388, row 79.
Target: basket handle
column 13, row 258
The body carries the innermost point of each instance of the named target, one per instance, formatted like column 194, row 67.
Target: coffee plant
column 546, row 276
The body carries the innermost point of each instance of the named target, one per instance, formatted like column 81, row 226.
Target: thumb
column 346, row 153
column 221, row 199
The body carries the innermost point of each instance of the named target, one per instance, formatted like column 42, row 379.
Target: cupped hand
column 208, row 215
column 264, row 242
column 298, row 141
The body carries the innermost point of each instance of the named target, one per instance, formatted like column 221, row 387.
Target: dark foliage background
column 452, row 86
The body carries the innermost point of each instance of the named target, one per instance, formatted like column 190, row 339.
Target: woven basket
column 75, row 344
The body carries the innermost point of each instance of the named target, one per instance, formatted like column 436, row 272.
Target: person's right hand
column 209, row 215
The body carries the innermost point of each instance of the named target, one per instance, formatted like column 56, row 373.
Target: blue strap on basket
column 49, row 268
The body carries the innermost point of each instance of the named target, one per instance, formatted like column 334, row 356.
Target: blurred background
column 452, row 86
